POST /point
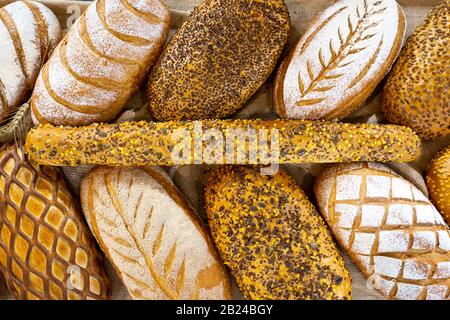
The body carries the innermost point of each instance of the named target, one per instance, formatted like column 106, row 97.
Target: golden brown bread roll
column 151, row 235
column 29, row 32
column 394, row 234
column 46, row 249
column 272, row 238
column 101, row 62
column 438, row 182
column 218, row 59
column 340, row 59
column 416, row 92
column 220, row 142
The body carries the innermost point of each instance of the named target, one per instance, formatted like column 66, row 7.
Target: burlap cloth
column 189, row 179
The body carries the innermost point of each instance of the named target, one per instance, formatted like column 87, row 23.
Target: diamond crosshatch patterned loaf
column 339, row 60
column 391, row 230
column 46, row 249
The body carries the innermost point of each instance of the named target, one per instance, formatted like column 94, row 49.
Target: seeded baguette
column 155, row 143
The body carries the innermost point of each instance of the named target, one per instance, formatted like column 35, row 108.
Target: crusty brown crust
column 152, row 143
column 46, row 249
column 216, row 276
column 438, row 182
column 347, row 104
column 272, row 237
column 218, row 59
column 416, row 91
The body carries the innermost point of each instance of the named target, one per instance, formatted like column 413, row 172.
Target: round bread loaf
column 416, row 93
column 339, row 60
column 438, row 182
column 29, row 32
column 218, row 59
column 101, row 62
column 272, row 238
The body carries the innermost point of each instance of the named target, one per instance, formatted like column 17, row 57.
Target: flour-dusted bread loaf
column 161, row 143
column 29, row 32
column 391, row 230
column 438, row 182
column 152, row 236
column 101, row 62
column 272, row 237
column 339, row 60
column 416, row 93
column 218, row 59
column 46, row 249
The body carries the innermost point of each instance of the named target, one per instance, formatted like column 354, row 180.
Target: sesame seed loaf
column 29, row 32
column 393, row 232
column 152, row 236
column 46, row 249
column 272, row 238
column 438, row 182
column 416, row 93
column 218, row 59
column 340, row 59
column 161, row 143
column 101, row 62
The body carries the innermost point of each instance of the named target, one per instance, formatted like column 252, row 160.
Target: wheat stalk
column 16, row 126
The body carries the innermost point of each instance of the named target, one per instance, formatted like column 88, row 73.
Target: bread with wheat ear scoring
column 29, row 32
column 339, row 60
column 101, row 62
column 272, row 238
column 416, row 93
column 394, row 234
column 152, row 236
column 47, row 251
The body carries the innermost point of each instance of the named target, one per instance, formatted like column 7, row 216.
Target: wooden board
column 189, row 178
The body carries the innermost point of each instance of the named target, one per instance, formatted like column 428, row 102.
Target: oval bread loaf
column 438, row 182
column 220, row 142
column 394, row 234
column 272, row 238
column 340, row 59
column 46, row 248
column 152, row 236
column 218, row 59
column 416, row 93
column 101, row 62
column 29, row 32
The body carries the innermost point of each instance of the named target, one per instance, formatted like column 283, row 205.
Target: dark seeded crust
column 416, row 93
column 217, row 60
column 438, row 182
column 272, row 238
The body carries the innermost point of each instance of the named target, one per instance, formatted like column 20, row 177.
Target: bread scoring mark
column 103, row 83
column 10, row 25
column 146, row 16
column 42, row 29
column 348, row 47
column 134, row 40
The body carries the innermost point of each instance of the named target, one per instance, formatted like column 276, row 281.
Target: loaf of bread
column 101, row 62
column 46, row 249
column 340, row 59
column 416, row 91
column 438, row 182
column 394, row 234
column 29, row 32
column 272, row 238
column 152, row 236
column 220, row 142
column 218, row 59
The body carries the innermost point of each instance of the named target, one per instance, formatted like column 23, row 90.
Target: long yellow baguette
column 220, row 142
